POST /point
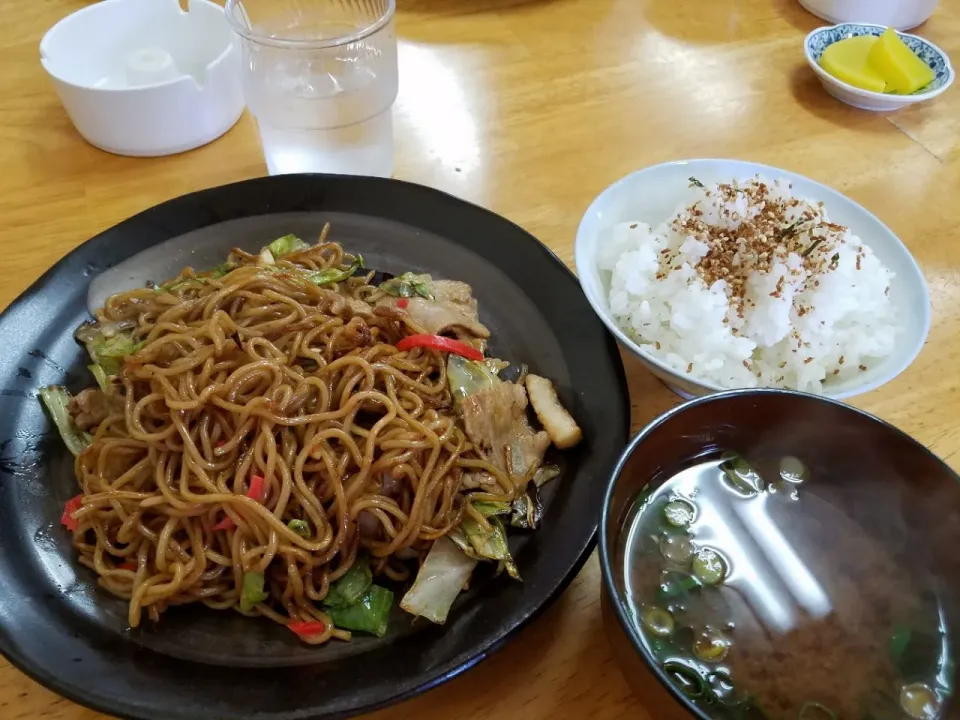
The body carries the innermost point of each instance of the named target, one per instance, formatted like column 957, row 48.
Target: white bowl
column 653, row 194
column 898, row 14
column 821, row 38
column 143, row 77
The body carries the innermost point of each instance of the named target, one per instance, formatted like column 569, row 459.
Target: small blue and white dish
column 821, row 38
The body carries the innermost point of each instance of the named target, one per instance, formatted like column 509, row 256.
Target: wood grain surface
column 531, row 108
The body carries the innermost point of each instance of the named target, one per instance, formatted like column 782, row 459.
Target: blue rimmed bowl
column 822, row 38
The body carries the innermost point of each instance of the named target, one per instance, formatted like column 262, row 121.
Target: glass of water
column 320, row 76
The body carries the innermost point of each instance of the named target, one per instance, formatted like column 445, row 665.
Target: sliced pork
column 496, row 420
column 452, row 309
column 88, row 409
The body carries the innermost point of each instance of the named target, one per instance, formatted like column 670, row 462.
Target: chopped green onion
column 252, row 592
column 711, row 646
column 741, row 476
column 792, row 470
column 709, row 567
column 919, row 701
column 688, row 680
column 680, row 513
column 300, row 527
column 658, row 621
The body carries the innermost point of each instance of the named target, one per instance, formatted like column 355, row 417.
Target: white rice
column 827, row 322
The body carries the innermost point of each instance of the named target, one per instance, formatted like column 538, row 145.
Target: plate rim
column 454, row 666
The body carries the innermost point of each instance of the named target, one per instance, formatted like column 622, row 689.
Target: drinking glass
column 320, row 76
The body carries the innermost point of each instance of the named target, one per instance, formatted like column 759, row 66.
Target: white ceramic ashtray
column 144, row 77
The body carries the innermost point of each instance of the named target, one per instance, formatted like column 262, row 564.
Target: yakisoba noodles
column 287, row 437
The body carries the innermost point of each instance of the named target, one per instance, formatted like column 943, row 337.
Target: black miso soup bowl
column 890, row 485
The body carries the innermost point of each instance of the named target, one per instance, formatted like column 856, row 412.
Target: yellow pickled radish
column 903, row 70
column 846, row 60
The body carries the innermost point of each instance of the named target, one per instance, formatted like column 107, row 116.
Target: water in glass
column 320, row 76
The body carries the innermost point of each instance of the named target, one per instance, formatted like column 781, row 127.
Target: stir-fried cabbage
column 408, row 285
column 108, row 343
column 331, row 275
column 350, row 588
column 481, row 543
column 286, row 245
column 57, row 399
column 353, row 602
column 252, row 592
column 444, row 573
column 467, row 377
column 369, row 613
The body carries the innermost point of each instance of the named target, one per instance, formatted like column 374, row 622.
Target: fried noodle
column 261, row 374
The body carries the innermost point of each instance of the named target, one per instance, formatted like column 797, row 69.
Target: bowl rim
column 606, row 552
column 582, row 261
column 889, row 98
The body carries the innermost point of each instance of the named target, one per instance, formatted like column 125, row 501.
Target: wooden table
column 531, row 108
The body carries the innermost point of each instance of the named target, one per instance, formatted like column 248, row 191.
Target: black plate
column 59, row 628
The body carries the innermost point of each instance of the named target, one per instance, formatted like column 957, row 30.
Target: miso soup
column 759, row 598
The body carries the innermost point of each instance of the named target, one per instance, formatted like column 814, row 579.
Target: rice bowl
column 748, row 285
column 850, row 313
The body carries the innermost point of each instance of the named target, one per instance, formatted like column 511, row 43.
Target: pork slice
column 348, row 307
column 478, row 481
column 88, row 408
column 496, row 420
column 452, row 309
